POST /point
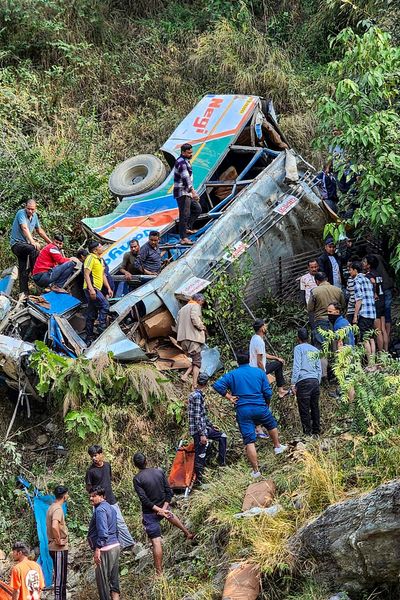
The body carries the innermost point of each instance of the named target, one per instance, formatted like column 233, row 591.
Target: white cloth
column 257, row 346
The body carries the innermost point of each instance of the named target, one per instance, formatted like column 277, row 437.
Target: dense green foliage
column 361, row 116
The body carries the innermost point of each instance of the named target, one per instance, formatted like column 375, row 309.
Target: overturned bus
column 258, row 199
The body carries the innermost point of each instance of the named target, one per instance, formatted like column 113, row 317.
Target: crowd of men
column 108, row 533
column 51, row 269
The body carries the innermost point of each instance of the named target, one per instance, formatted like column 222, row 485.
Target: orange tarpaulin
column 5, row 591
column 182, row 470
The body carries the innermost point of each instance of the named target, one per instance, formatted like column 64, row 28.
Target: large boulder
column 355, row 544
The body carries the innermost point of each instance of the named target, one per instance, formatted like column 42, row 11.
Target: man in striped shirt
column 185, row 195
column 364, row 313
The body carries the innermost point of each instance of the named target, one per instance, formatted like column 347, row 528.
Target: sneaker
column 280, row 449
column 255, row 474
column 262, row 435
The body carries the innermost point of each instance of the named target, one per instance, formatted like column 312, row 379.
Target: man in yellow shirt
column 95, row 280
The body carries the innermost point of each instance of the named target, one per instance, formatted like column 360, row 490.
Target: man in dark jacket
column 154, row 493
column 103, row 540
column 330, row 263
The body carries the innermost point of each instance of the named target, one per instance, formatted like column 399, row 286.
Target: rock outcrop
column 355, row 544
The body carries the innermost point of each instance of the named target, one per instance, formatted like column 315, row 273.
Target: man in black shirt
column 99, row 475
column 154, row 493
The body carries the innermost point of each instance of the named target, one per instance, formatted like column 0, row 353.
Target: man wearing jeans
column 23, row 244
column 57, row 537
column 99, row 475
column 249, row 391
column 52, row 268
column 306, row 377
column 103, row 540
column 202, row 429
column 187, row 199
column 95, row 278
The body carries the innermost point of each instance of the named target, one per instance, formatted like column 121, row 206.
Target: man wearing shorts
column 191, row 334
column 249, row 390
column 154, row 493
column 364, row 312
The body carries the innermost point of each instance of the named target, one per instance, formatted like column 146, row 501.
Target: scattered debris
column 260, row 494
column 271, row 511
column 242, row 582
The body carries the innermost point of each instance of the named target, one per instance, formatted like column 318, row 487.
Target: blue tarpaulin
column 40, row 503
column 59, row 303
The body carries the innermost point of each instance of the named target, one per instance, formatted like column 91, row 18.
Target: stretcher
column 182, row 476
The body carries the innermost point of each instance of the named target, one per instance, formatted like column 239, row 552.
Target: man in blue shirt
column 338, row 321
column 103, row 540
column 23, row 244
column 306, row 377
column 248, row 389
column 149, row 259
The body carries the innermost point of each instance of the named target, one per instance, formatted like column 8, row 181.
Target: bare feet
column 190, row 536
column 59, row 290
column 186, row 242
column 191, row 231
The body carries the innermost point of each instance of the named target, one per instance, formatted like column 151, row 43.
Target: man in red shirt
column 51, row 267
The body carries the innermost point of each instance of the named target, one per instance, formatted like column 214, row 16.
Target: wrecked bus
column 258, row 199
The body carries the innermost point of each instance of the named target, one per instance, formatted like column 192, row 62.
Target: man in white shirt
column 307, row 281
column 267, row 362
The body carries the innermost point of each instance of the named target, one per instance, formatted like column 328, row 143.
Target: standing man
column 57, row 537
column 154, row 493
column 364, row 312
column 27, row 581
column 149, row 260
column 370, row 265
column 23, row 244
column 307, row 281
column 187, row 199
column 191, row 334
column 320, row 297
column 202, row 429
column 52, row 268
column 306, row 377
column 99, row 475
column 95, row 279
column 250, row 392
column 103, row 540
column 128, row 267
column 338, row 321
column 328, row 186
column 330, row 263
column 267, row 362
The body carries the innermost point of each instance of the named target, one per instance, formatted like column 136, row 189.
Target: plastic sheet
column 210, row 360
